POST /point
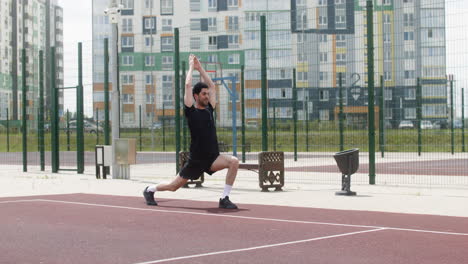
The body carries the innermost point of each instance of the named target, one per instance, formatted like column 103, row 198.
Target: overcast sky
column 77, row 19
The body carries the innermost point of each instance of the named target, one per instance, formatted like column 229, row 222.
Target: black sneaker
column 149, row 197
column 226, row 203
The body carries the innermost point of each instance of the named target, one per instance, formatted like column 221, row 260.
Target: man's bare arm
column 206, row 79
column 188, row 96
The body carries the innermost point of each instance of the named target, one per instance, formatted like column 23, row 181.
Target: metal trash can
column 103, row 158
column 348, row 163
column 125, row 155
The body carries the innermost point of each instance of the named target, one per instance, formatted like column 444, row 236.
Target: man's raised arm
column 206, row 79
column 188, row 96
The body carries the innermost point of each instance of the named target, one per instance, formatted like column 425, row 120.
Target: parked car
column 406, row 124
column 440, row 124
column 457, row 123
column 88, row 127
column 156, row 126
column 426, row 124
column 252, row 124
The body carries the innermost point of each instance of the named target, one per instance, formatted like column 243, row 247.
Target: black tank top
column 202, row 131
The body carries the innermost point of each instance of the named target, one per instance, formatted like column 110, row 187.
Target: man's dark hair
column 198, row 87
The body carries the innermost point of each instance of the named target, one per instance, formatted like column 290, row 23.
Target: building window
column 149, row 4
column 127, row 25
column 409, row 74
column 323, row 57
column 167, row 7
column 213, row 58
column 213, row 4
column 324, row 114
column 233, row 41
column 128, row 117
column 212, row 41
column 127, row 42
column 195, row 43
column 127, row 4
column 148, row 79
column 302, row 76
column 323, row 20
column 149, row 60
column 127, row 60
column 127, row 98
column 232, row 3
column 166, row 44
column 410, row 113
column 341, row 57
column 323, row 76
column 149, row 22
column 149, row 100
column 166, row 24
column 194, row 5
column 388, row 94
column 149, row 41
column 410, row 94
column 127, row 79
column 234, row 59
column 195, row 24
column 212, row 24
column 167, row 62
column 409, row 35
column 167, row 90
column 233, row 23
column 322, row 38
column 324, row 95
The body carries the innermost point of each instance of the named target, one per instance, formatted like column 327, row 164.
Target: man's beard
column 203, row 102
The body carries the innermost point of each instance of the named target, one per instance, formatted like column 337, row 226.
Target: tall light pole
column 114, row 14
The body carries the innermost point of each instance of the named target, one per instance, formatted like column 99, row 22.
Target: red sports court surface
column 85, row 228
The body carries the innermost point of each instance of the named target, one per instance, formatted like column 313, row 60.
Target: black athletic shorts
column 194, row 168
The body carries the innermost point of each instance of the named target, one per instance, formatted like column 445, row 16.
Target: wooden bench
column 270, row 170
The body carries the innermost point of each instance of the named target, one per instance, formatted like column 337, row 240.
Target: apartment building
column 318, row 38
column 35, row 25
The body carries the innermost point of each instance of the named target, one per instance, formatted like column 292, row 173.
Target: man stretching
column 204, row 153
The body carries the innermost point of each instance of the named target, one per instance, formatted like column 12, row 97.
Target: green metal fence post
column 463, row 118
column 370, row 76
column 340, row 115
column 295, row 113
column 274, row 126
column 307, row 123
column 177, row 95
column 8, row 130
column 452, row 132
column 97, row 126
column 79, row 114
column 419, row 114
column 164, row 127
column 68, row 130
column 24, row 113
column 106, row 93
column 41, row 111
column 139, row 111
column 184, row 124
column 382, row 117
column 54, row 114
column 243, row 112
column 264, row 83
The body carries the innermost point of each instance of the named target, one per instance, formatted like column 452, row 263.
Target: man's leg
column 229, row 162
column 232, row 164
column 173, row 186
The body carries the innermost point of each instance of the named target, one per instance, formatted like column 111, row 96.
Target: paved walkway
column 298, row 191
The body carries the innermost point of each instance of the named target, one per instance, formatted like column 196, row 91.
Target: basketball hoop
column 213, row 68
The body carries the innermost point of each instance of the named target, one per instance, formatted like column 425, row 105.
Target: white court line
column 258, row 247
column 254, row 218
column 18, row 201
